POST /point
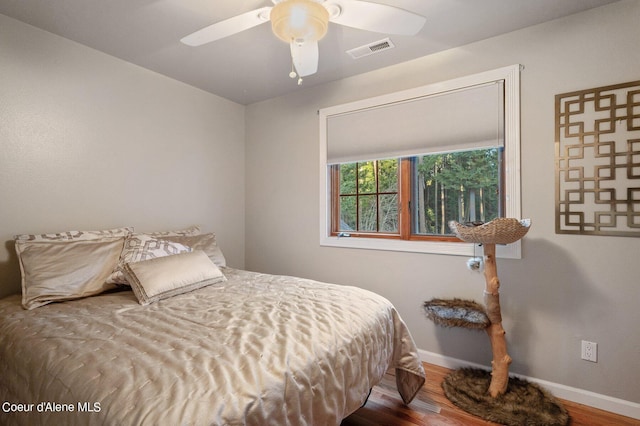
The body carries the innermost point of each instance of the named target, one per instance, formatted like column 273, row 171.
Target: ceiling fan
column 301, row 23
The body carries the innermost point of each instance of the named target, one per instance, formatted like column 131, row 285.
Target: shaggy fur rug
column 523, row 403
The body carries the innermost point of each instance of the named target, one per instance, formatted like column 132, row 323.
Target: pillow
column 138, row 247
column 66, row 269
column 192, row 230
column 76, row 235
column 205, row 242
column 164, row 277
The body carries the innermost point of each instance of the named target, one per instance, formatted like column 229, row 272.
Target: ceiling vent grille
column 371, row 48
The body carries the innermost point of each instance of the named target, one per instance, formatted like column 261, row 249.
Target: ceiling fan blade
column 228, row 27
column 376, row 17
column 305, row 57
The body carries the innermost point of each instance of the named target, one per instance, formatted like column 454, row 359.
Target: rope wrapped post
column 498, row 231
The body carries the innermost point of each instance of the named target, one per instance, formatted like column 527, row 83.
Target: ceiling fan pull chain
column 292, row 74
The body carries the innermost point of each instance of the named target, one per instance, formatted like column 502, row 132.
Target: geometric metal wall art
column 598, row 161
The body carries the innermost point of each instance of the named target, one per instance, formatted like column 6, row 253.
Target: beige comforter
column 255, row 350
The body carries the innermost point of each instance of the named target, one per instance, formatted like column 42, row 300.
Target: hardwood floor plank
column 431, row 407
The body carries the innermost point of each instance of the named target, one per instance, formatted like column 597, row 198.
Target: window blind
column 463, row 119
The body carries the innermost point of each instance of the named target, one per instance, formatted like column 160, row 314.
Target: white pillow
column 163, row 277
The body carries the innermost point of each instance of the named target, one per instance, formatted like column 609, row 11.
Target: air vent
column 371, row 48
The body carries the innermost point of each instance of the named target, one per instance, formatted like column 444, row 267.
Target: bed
column 244, row 348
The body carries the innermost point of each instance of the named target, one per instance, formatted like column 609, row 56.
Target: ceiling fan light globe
column 299, row 20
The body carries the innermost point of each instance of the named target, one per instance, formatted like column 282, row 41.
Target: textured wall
column 564, row 290
column 90, row 142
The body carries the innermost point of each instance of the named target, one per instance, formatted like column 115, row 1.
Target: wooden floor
column 385, row 408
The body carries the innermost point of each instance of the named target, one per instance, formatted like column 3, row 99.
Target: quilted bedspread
column 255, row 350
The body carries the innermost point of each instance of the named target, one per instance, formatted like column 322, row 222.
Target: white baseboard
column 580, row 396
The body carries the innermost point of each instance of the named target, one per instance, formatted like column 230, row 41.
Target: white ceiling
column 254, row 65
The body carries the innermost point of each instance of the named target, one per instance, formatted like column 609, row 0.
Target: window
column 367, row 198
column 462, row 185
column 465, row 186
column 397, row 168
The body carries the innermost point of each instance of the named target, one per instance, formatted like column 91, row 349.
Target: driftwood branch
column 501, row 359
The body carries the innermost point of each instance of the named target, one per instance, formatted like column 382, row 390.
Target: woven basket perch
column 499, row 231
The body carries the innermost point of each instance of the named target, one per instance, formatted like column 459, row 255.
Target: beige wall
column 90, row 142
column 565, row 289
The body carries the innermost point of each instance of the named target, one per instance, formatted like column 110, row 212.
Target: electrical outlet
column 589, row 351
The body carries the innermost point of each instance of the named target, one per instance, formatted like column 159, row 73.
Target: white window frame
column 511, row 77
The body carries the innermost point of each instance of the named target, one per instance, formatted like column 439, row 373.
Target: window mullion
column 335, row 198
column 357, row 224
column 404, row 198
column 376, row 170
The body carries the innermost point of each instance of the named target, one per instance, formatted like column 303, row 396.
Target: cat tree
column 498, row 231
column 467, row 389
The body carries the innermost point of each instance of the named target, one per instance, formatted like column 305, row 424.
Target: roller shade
column 469, row 118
